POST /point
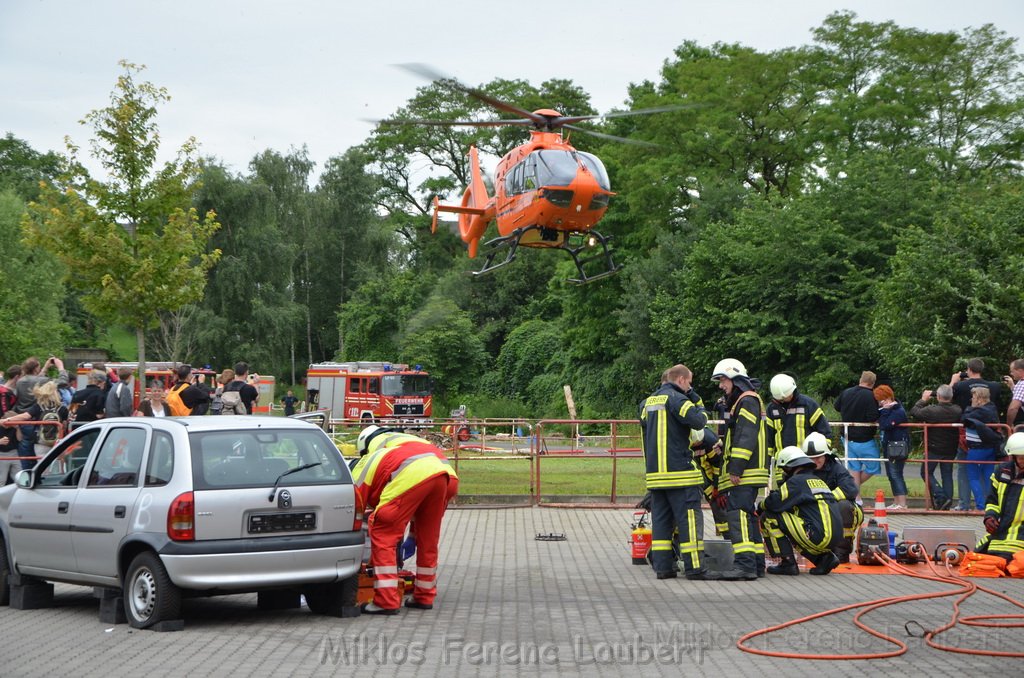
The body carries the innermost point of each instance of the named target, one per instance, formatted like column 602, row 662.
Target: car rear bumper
column 262, row 563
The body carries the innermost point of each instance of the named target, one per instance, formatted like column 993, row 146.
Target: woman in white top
column 154, row 405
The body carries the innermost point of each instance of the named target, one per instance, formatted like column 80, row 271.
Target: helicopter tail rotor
column 476, row 210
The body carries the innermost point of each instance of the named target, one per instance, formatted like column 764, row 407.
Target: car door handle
column 119, row 512
column 62, row 507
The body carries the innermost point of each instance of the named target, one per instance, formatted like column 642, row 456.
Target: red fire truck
column 371, row 391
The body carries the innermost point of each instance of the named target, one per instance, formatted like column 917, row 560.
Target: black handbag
column 896, row 450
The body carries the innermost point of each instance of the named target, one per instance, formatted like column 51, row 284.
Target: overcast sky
column 247, row 75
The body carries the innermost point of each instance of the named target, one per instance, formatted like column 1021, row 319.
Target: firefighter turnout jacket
column 838, row 479
column 807, row 509
column 1006, row 503
column 746, row 446
column 789, row 423
column 666, row 419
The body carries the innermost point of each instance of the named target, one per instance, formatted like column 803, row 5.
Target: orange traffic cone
column 880, row 515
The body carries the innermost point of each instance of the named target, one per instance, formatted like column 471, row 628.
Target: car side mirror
column 24, row 479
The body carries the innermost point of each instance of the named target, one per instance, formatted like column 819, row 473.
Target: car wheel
column 5, row 576
column 149, row 595
column 332, row 599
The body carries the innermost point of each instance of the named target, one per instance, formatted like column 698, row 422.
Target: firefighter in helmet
column 668, row 418
column 402, row 478
column 1004, row 508
column 791, row 415
column 802, row 513
column 744, row 467
column 819, row 450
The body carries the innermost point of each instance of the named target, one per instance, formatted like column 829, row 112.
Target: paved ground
column 510, row 605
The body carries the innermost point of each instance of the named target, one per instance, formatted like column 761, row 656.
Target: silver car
column 157, row 508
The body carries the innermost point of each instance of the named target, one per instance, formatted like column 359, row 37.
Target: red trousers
column 424, row 505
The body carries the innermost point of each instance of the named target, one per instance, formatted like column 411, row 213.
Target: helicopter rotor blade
column 429, row 73
column 454, row 123
column 567, row 119
column 611, row 137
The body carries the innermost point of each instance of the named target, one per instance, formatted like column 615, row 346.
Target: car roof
column 211, row 423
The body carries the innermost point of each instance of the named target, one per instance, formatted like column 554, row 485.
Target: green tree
column 30, row 292
column 133, row 243
column 350, row 244
column 442, row 338
column 955, row 289
column 248, row 312
column 22, row 167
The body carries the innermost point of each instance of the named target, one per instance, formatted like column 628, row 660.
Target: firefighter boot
column 824, row 563
column 844, row 549
column 786, row 566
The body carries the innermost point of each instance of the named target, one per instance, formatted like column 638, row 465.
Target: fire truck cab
column 371, row 392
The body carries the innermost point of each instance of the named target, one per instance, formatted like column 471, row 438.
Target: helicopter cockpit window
column 596, row 167
column 555, row 168
column 514, row 184
column 558, row 168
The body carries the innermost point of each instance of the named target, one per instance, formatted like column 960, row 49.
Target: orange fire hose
column 965, row 589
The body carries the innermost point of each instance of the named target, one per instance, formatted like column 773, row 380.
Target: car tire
column 5, row 576
column 149, row 595
column 332, row 599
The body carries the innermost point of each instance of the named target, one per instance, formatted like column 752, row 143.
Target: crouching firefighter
column 402, row 478
column 818, row 448
column 1004, row 508
column 802, row 512
column 667, row 419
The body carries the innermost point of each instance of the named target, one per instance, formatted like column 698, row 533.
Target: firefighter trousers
column 744, row 533
column 672, row 508
column 423, row 504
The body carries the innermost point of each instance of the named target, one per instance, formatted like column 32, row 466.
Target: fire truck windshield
column 405, row 385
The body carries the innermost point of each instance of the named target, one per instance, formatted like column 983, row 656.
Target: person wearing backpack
column 53, row 414
column 243, row 383
column 186, row 398
column 231, row 394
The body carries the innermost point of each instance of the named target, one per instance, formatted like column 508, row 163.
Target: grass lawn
column 593, row 476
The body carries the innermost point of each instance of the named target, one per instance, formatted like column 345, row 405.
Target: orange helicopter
column 547, row 194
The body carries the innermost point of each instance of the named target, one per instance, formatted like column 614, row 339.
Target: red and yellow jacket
column 396, row 463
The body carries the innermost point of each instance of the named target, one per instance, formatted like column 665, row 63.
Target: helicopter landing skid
column 605, row 254
column 510, row 243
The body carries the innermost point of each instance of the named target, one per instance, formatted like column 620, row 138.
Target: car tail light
column 181, row 518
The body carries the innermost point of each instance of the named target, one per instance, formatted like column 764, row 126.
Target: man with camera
column 963, row 383
column 192, row 391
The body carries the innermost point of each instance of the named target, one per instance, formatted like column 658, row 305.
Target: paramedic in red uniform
column 402, row 478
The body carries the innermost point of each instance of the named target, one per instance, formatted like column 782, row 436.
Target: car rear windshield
column 222, row 459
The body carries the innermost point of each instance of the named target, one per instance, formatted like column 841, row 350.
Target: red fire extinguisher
column 640, row 537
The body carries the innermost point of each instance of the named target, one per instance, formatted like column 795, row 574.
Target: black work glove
column 991, row 524
column 644, row 503
column 722, row 500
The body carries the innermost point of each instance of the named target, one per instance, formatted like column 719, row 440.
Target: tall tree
column 248, row 312
column 30, row 292
column 133, row 243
